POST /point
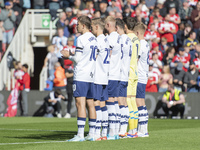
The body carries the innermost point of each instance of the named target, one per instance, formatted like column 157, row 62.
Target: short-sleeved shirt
column 52, row 59
column 87, row 46
column 114, row 40
column 126, row 57
column 133, row 72
column 102, row 61
column 143, row 62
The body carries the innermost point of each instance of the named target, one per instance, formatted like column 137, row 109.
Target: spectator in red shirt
column 152, row 34
column 156, row 13
column 197, row 61
column 167, row 29
column 24, row 88
column 152, row 80
column 73, row 22
column 180, row 58
column 155, row 49
column 173, row 16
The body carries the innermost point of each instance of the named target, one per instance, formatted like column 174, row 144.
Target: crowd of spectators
column 173, row 32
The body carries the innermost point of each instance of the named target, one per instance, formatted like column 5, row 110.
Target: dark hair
column 191, row 32
column 57, row 92
column 154, row 54
column 130, row 22
column 169, row 50
column 17, row 62
column 25, row 65
column 85, row 20
column 120, row 23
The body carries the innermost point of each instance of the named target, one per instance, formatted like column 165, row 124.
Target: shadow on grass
column 49, row 136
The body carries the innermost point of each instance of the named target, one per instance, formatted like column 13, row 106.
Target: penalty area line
column 24, row 143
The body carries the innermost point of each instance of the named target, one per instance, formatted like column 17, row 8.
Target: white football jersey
column 102, row 61
column 114, row 40
column 143, row 62
column 126, row 46
column 84, row 69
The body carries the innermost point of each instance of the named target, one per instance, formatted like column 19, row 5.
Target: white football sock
column 98, row 121
column 111, row 117
column 118, row 116
column 81, row 126
column 104, row 122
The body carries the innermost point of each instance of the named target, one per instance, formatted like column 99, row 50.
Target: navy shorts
column 113, row 88
column 83, row 89
column 100, row 92
column 140, row 90
column 123, row 89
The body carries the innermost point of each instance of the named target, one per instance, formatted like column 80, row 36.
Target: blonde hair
column 140, row 26
column 50, row 47
column 110, row 19
column 99, row 22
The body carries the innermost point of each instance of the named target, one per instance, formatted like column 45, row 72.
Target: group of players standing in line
column 110, row 76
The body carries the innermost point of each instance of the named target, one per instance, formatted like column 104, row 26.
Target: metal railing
column 43, row 78
column 21, row 45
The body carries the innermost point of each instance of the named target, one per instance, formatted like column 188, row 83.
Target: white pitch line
column 32, row 130
column 31, row 143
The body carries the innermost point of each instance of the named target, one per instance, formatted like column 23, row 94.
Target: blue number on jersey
column 107, row 55
column 130, row 51
column 137, row 49
column 93, row 56
column 122, row 51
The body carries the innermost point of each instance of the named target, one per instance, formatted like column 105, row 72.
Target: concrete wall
column 35, row 99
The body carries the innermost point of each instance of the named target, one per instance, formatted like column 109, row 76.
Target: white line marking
column 32, row 130
column 32, row 143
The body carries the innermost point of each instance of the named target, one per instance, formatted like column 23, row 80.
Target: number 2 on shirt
column 107, row 55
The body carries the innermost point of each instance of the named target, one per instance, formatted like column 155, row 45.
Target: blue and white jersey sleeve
column 102, row 61
column 85, row 52
column 114, row 40
column 126, row 51
column 143, row 62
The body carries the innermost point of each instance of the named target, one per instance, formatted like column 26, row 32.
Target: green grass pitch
column 31, row 133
